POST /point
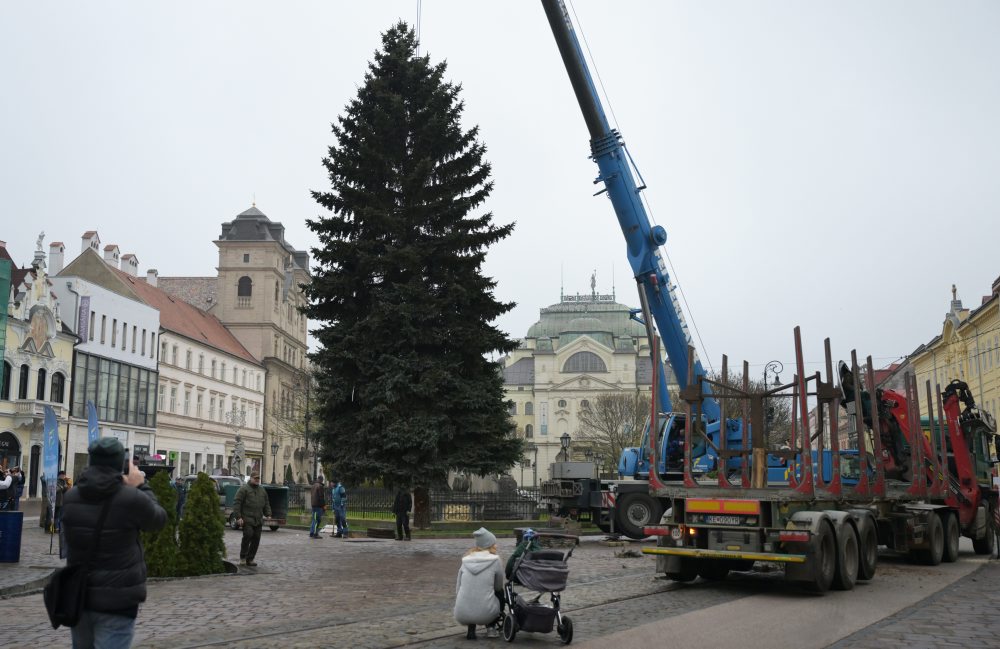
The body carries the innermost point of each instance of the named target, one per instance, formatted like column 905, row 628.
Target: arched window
column 58, row 385
column 276, row 294
column 562, row 403
column 22, row 386
column 512, row 408
column 581, row 362
column 585, row 404
column 529, row 409
column 40, row 385
column 529, row 431
column 244, row 288
column 7, row 371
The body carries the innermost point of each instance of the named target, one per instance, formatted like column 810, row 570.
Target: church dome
column 586, row 325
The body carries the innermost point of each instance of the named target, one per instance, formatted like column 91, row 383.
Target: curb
column 27, row 588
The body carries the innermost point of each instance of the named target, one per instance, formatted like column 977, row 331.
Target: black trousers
column 403, row 525
column 251, row 540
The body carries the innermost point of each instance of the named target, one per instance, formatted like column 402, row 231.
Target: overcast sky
column 832, row 165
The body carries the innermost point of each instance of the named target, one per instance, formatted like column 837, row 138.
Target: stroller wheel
column 509, row 628
column 566, row 630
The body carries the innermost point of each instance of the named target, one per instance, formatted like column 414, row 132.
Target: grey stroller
column 545, row 572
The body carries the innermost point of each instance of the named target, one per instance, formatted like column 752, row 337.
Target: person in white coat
column 479, row 589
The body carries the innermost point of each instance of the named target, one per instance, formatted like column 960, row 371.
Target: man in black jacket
column 401, row 506
column 116, row 583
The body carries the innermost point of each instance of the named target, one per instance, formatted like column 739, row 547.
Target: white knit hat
column 484, row 538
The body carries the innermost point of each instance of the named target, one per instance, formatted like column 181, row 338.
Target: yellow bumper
column 698, row 553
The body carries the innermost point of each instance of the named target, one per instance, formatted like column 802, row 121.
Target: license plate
column 715, row 519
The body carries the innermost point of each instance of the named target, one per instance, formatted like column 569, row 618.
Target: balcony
column 28, row 412
column 244, row 302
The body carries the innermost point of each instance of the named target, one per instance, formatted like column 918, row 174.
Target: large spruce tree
column 405, row 388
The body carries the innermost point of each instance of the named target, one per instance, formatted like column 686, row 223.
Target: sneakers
column 252, row 564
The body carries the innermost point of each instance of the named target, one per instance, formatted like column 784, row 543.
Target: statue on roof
column 593, row 283
column 41, row 238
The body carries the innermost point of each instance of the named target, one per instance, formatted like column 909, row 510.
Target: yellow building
column 968, row 348
column 37, row 366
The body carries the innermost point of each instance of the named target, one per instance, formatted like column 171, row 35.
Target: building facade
column 257, row 296
column 37, row 367
column 968, row 348
column 581, row 347
column 115, row 359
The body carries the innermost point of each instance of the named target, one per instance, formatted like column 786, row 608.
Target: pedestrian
column 116, row 582
column 62, row 486
column 251, row 507
column 18, row 488
column 401, row 506
column 338, row 497
column 318, row 507
column 479, row 589
column 181, row 495
column 6, row 488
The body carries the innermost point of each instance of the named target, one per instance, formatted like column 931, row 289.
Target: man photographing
column 116, row 583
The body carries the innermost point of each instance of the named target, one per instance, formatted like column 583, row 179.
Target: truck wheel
column 931, row 555
column 867, row 549
column 634, row 512
column 604, row 527
column 951, row 534
column 848, row 558
column 986, row 544
column 824, row 558
column 713, row 569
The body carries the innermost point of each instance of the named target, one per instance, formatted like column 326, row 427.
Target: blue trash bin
column 10, row 536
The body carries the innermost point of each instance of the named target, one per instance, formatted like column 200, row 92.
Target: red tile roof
column 184, row 319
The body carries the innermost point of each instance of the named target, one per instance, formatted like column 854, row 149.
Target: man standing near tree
column 401, row 506
column 338, row 496
column 251, row 508
column 318, row 495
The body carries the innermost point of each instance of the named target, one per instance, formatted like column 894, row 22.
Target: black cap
column 107, row 451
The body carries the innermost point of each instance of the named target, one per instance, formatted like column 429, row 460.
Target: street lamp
column 774, row 367
column 564, row 443
column 274, row 456
column 599, row 458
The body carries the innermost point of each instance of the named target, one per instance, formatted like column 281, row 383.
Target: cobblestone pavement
column 374, row 593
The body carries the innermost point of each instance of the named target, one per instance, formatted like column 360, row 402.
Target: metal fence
column 446, row 505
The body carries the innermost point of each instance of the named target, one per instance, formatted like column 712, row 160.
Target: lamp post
column 274, row 460
column 564, row 443
column 599, row 458
column 589, row 454
column 774, row 367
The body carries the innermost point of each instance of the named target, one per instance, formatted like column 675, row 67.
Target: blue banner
column 50, row 459
column 93, row 432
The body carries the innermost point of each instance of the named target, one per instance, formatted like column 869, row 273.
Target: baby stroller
column 543, row 571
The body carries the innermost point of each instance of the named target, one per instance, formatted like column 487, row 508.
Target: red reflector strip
column 788, row 536
column 656, row 531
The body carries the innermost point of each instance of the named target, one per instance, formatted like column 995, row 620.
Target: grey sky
column 832, row 165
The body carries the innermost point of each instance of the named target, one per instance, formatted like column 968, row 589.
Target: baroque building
column 37, row 355
column 256, row 296
column 581, row 347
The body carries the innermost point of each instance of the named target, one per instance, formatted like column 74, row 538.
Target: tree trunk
column 421, row 508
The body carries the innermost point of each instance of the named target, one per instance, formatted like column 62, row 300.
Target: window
column 40, row 386
column 104, row 327
column 92, row 316
column 244, row 378
column 562, row 403
column 114, row 332
column 161, row 401
column 173, row 355
column 198, row 406
column 163, row 352
column 276, row 295
column 529, row 431
column 244, row 287
column 58, row 387
column 246, row 257
column 584, row 404
column 529, row 408
column 143, row 342
column 7, row 371
column 152, row 343
column 512, row 408
column 173, row 399
column 584, row 362
column 135, row 331
column 124, row 331
column 222, row 374
column 201, row 363
column 22, row 385
column 211, row 408
column 187, row 402
column 258, row 381
column 235, row 375
column 213, row 368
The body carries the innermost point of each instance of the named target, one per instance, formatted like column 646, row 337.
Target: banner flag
column 50, row 460
column 93, row 432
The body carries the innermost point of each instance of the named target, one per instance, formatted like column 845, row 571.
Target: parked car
column 220, row 484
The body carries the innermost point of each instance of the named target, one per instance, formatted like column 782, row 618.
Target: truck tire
column 867, row 548
column 931, row 555
column 634, row 512
column 987, row 544
column 825, row 558
column 848, row 558
column 951, row 535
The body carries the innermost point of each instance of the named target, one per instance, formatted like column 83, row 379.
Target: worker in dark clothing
column 251, row 508
column 318, row 507
column 116, row 583
column 401, row 506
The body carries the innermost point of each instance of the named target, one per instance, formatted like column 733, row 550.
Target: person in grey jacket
column 479, row 589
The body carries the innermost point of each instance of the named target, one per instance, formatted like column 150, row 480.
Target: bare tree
column 612, row 422
column 777, row 408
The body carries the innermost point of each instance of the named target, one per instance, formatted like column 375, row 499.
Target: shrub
column 288, row 474
column 160, row 547
column 201, row 530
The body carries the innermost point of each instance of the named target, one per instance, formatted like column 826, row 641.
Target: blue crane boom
column 642, row 239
